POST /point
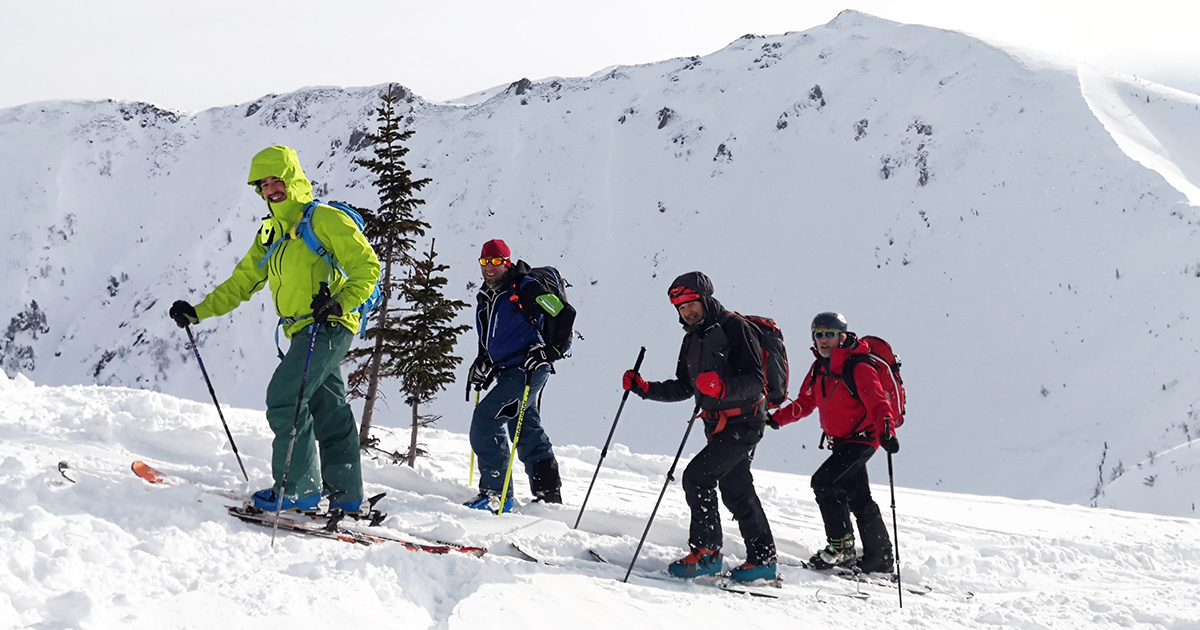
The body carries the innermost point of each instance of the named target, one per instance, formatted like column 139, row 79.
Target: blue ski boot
column 749, row 572
column 266, row 500
column 698, row 562
column 490, row 502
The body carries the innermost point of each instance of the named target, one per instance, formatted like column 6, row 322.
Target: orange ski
column 147, row 472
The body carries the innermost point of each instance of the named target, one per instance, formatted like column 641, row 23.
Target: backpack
column 774, row 357
column 305, row 231
column 553, row 282
column 887, row 365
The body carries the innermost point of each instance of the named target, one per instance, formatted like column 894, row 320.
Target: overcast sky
column 195, row 54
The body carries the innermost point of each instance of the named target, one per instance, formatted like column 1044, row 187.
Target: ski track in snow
column 114, row 551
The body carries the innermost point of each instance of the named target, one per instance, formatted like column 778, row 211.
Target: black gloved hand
column 890, row 444
column 539, row 356
column 771, row 422
column 183, row 314
column 324, row 307
column 481, row 372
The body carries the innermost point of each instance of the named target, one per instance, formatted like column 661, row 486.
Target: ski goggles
column 826, row 333
column 495, row 261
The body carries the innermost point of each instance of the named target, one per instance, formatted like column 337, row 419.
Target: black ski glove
column 481, row 372
column 539, row 356
column 324, row 307
column 890, row 444
column 183, row 314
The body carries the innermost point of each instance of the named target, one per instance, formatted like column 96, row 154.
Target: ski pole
column 211, row 392
column 287, row 461
column 670, row 478
column 895, row 532
column 516, row 436
column 471, row 469
column 604, row 451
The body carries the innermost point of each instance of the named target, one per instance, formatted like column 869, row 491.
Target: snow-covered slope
column 110, row 550
column 1019, row 230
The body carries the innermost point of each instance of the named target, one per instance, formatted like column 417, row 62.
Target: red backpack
column 887, row 365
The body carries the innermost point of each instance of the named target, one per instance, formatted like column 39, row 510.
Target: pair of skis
column 330, row 525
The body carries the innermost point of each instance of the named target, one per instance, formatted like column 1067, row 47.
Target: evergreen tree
column 392, row 230
column 425, row 341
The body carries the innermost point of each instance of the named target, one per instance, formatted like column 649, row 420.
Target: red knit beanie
column 495, row 247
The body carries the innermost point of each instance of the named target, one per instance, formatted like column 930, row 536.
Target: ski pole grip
column 637, row 365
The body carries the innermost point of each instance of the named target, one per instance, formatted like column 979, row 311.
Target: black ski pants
column 841, row 487
column 725, row 463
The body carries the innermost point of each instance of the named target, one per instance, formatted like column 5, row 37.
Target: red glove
column 710, row 384
column 634, row 381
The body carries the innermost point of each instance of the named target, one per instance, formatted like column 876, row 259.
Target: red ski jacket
column 843, row 417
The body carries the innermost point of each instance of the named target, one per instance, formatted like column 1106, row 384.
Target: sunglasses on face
column 494, row 261
column 826, row 334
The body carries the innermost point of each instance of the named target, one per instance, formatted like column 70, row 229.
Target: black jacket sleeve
column 676, row 389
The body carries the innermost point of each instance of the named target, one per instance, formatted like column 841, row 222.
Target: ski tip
column 66, row 471
column 147, row 472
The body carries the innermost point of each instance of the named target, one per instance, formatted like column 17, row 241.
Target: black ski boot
column 545, row 482
column 838, row 553
column 876, row 546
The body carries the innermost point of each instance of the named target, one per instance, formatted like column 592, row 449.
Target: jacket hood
column 693, row 282
column 282, row 162
column 698, row 283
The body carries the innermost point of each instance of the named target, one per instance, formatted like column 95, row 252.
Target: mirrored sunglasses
column 826, row 334
column 495, row 261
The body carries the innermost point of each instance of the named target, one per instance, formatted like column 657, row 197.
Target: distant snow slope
column 1019, row 230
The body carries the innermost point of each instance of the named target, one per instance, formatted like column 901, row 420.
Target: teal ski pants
column 325, row 422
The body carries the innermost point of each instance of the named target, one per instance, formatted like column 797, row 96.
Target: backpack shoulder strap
column 304, row 229
column 848, row 372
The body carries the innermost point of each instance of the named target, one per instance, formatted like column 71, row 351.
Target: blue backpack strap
column 304, row 230
column 271, row 249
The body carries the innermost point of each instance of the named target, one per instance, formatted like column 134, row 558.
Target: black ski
column 881, row 580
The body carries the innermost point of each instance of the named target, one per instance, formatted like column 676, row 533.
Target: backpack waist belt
column 722, row 416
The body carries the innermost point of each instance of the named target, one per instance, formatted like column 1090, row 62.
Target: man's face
column 691, row 312
column 826, row 340
column 273, row 189
column 493, row 269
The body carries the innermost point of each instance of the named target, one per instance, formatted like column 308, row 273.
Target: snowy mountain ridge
column 1020, row 231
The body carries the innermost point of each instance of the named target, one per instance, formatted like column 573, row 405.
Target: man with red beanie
column 720, row 364
column 523, row 328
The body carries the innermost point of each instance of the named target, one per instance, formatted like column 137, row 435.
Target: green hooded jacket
column 294, row 271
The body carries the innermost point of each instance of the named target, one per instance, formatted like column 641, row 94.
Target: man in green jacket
column 279, row 257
